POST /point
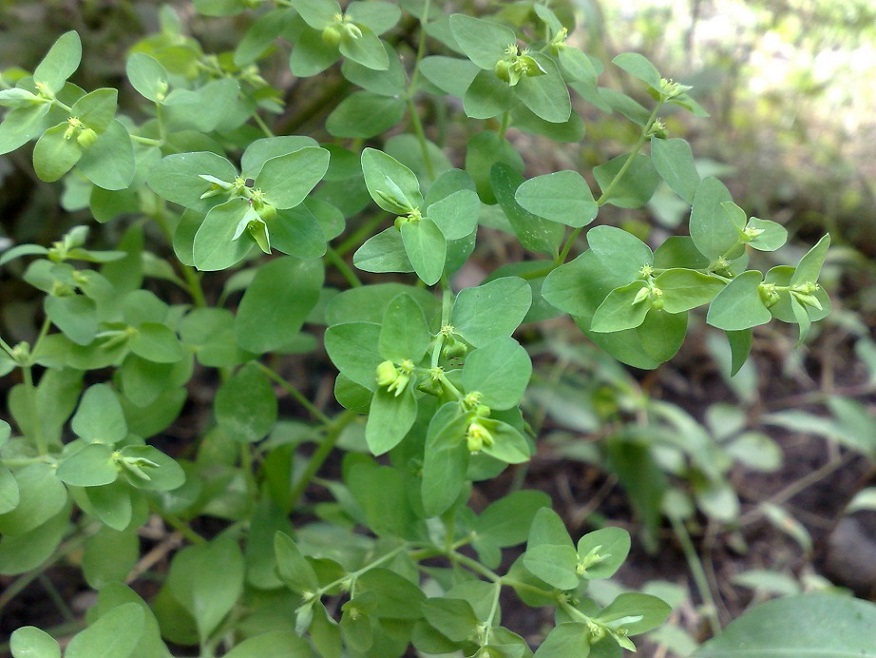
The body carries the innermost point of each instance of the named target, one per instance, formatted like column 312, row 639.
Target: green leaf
column 674, row 161
column 97, row 108
column 829, row 625
column 404, row 333
column 60, row 62
column 740, row 347
column 261, row 150
column 54, row 154
column 288, row 179
column 445, row 460
column 163, row 473
column 809, row 266
column 570, row 131
column 177, row 178
column 294, row 570
column 712, row 232
column 487, row 96
column 390, row 82
column 426, row 249
column 639, row 67
column 311, row 55
column 297, row 231
column 456, row 214
column 90, row 466
column 392, row 185
column 623, row 308
column 21, row 125
column 660, row 336
column 99, row 418
column 147, row 76
column 611, row 544
column 390, row 418
column 739, row 305
column 31, row 642
column 75, row 316
column 566, row 639
column 563, row 197
column 773, row 237
column 686, row 289
column 506, row 521
column 116, row 634
column 215, row 247
column 546, row 95
column 548, row 528
column 484, row 150
column 500, row 371
column 41, row 497
column 632, row 190
column 10, row 495
column 111, row 504
column 534, row 233
column 554, row 563
column 271, row 644
column 109, row 556
column 364, row 114
column 509, row 445
column 384, row 252
column 156, row 342
column 453, row 618
column 491, row 310
column 20, row 553
column 451, row 75
column 245, row 406
column 483, row 42
column 366, row 49
column 652, row 610
column 352, row 347
column 277, row 302
column 619, row 251
column 207, row 579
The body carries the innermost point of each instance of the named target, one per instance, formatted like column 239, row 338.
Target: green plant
column 397, row 555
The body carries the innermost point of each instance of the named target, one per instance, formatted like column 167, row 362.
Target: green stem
column 355, row 239
column 346, row 271
column 411, row 90
column 503, row 127
column 56, row 598
column 295, row 393
column 698, row 574
column 36, row 422
column 147, row 141
column 604, row 197
column 183, row 528
column 262, row 125
column 630, row 158
column 353, row 575
column 323, row 450
column 446, row 308
column 421, row 138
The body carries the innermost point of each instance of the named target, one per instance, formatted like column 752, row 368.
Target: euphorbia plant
column 431, row 377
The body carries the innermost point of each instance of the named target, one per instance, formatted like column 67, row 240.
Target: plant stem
column 412, row 88
column 698, row 574
column 346, row 271
column 295, row 393
column 323, row 450
column 262, row 125
column 183, row 528
column 604, row 197
column 36, row 422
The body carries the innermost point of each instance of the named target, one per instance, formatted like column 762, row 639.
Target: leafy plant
column 398, row 555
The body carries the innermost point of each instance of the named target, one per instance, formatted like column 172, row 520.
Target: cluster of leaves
column 399, row 556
